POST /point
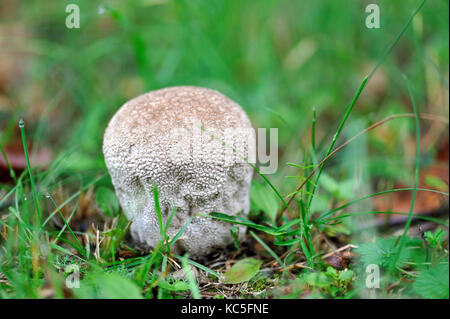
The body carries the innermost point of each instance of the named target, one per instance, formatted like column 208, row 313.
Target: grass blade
column 158, row 213
column 269, row 250
column 200, row 266
column 331, row 212
column 33, row 186
column 349, row 109
column 191, row 279
column 402, row 240
column 431, row 219
column 180, row 232
column 336, row 135
column 391, row 46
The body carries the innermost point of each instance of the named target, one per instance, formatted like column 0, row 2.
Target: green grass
column 72, row 81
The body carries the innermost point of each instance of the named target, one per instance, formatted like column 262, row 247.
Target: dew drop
column 47, row 195
column 21, row 123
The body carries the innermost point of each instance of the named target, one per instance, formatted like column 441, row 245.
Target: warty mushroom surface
column 173, row 139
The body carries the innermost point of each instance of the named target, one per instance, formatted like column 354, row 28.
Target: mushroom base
column 202, row 237
column 192, row 144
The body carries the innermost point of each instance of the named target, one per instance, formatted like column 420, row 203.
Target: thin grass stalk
column 402, row 240
column 33, row 186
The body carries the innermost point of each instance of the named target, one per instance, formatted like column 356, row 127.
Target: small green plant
column 435, row 239
column 433, row 282
column 383, row 252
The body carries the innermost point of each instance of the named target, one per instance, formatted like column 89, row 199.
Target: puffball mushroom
column 179, row 140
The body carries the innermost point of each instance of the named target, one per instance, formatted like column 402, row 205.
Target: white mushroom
column 155, row 140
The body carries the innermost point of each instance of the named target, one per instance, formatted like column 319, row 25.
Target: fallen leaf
column 242, row 271
column 16, row 157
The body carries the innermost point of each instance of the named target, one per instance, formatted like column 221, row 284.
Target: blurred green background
column 278, row 59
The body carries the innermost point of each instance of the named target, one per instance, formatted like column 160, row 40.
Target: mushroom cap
column 156, row 139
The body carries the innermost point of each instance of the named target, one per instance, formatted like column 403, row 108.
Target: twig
column 340, row 249
column 303, row 264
